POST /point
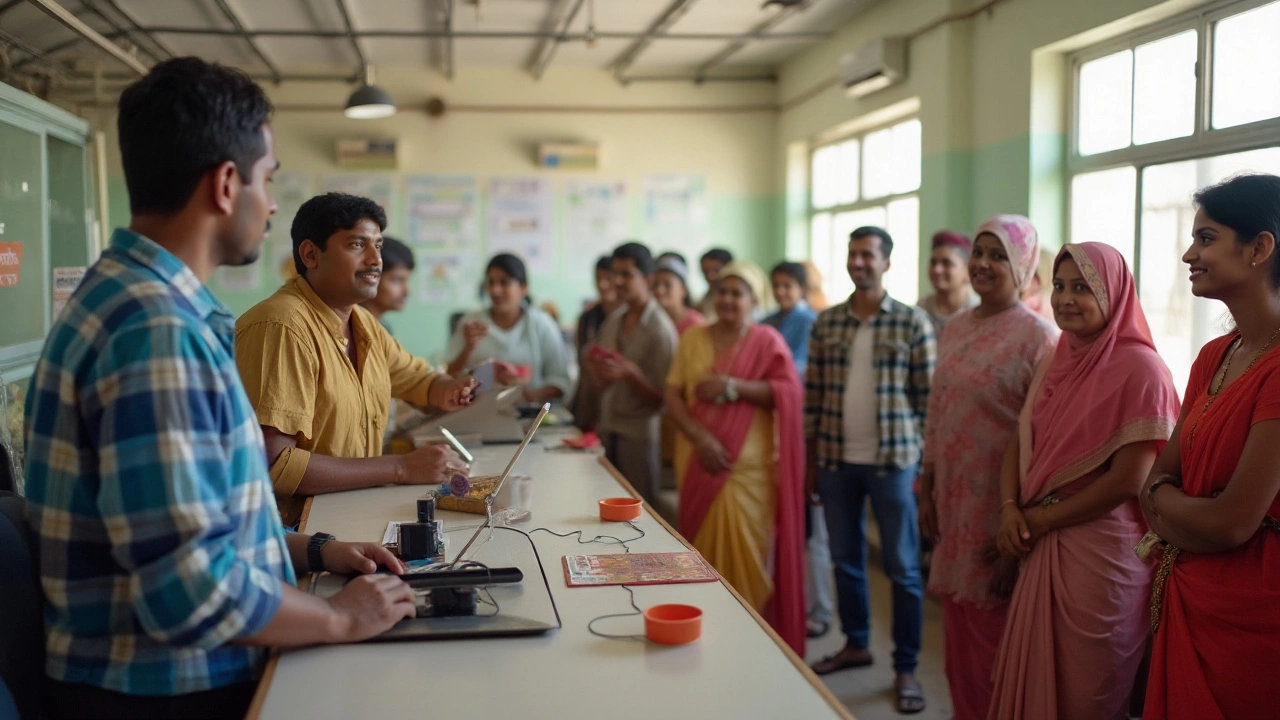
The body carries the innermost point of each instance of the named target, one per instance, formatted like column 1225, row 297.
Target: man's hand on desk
column 450, row 394
column 356, row 558
column 428, row 465
column 369, row 605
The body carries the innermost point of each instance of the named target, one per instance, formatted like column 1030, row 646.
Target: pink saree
column 1077, row 619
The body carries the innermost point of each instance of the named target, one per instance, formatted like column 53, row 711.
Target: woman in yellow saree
column 734, row 395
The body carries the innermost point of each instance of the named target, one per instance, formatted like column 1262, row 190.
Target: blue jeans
column 844, row 494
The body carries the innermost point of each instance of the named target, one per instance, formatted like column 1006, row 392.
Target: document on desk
column 636, row 569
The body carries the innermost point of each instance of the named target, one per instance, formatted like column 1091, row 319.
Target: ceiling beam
column 164, row 54
column 490, row 34
column 659, row 26
column 757, row 30
column 560, row 16
column 234, row 18
column 78, row 26
column 34, row 54
column 6, row 7
column 349, row 33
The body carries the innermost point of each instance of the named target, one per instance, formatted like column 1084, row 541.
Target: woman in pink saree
column 734, row 395
column 1100, row 409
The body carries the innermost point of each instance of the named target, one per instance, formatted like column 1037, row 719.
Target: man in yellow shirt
column 320, row 371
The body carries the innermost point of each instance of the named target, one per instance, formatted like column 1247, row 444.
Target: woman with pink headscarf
column 1100, row 409
column 987, row 357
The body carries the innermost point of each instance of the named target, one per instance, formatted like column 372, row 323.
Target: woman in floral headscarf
column 986, row 358
column 1100, row 409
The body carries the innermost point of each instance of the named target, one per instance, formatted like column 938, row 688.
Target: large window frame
column 1204, row 142
column 836, row 283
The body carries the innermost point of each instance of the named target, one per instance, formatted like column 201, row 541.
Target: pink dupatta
column 763, row 355
column 1089, row 399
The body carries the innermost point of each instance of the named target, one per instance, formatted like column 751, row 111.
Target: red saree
column 763, row 355
column 1217, row 649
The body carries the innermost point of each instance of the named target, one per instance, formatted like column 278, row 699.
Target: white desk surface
column 736, row 670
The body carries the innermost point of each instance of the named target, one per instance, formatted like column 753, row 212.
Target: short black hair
column 1249, row 204
column 886, row 242
column 673, row 254
column 511, row 265
column 639, row 254
column 396, row 254
column 793, row 270
column 323, row 215
column 720, row 255
column 182, row 119
column 604, row 263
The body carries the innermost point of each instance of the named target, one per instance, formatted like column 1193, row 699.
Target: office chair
column 21, row 614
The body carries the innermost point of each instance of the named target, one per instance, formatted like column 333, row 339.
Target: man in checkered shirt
column 871, row 362
column 165, row 570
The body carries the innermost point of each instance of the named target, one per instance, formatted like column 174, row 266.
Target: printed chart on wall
column 520, row 212
column 65, row 282
column 375, row 186
column 675, row 210
column 291, row 190
column 595, row 217
column 443, row 230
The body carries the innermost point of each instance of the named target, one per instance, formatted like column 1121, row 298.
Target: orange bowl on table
column 619, row 509
column 673, row 624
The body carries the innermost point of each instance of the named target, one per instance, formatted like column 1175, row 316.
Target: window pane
column 820, row 240
column 1102, row 208
column 878, row 164
column 824, row 172
column 903, row 279
column 1164, row 103
column 906, row 152
column 846, row 222
column 1246, row 67
column 847, row 175
column 1106, row 103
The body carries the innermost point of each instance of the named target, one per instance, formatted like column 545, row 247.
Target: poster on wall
column 595, row 217
column 675, row 210
column 10, row 263
column 451, row 279
column 291, row 190
column 441, row 210
column 520, row 212
column 375, row 186
column 65, row 282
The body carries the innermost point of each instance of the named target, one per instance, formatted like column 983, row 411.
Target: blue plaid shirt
column 905, row 353
column 156, row 531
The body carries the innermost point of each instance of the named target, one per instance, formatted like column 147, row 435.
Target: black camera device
column 445, row 601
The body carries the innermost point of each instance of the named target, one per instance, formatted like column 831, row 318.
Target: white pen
column 457, row 445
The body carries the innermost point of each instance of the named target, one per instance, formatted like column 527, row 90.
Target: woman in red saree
column 735, row 397
column 1212, row 496
column 1098, row 411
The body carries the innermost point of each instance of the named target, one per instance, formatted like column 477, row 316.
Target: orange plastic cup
column 673, row 624
column 619, row 509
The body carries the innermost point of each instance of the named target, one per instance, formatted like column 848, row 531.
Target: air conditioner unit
column 367, row 153
column 874, row 66
column 569, row 155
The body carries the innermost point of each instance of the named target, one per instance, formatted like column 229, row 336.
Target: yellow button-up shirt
column 292, row 355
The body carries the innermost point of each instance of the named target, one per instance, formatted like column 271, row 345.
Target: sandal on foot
column 910, row 697
column 834, row 663
column 817, row 628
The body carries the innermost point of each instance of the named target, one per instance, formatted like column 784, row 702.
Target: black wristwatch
column 317, row 542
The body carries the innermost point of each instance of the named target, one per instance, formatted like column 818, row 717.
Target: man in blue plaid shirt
column 871, row 363
column 165, row 570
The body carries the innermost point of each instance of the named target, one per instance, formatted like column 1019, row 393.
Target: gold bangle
column 1006, row 502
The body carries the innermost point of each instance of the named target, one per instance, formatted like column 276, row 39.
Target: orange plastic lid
column 673, row 624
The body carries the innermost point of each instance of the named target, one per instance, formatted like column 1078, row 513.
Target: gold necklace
column 1216, row 387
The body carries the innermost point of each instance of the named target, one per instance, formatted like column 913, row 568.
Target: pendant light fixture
column 369, row 101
